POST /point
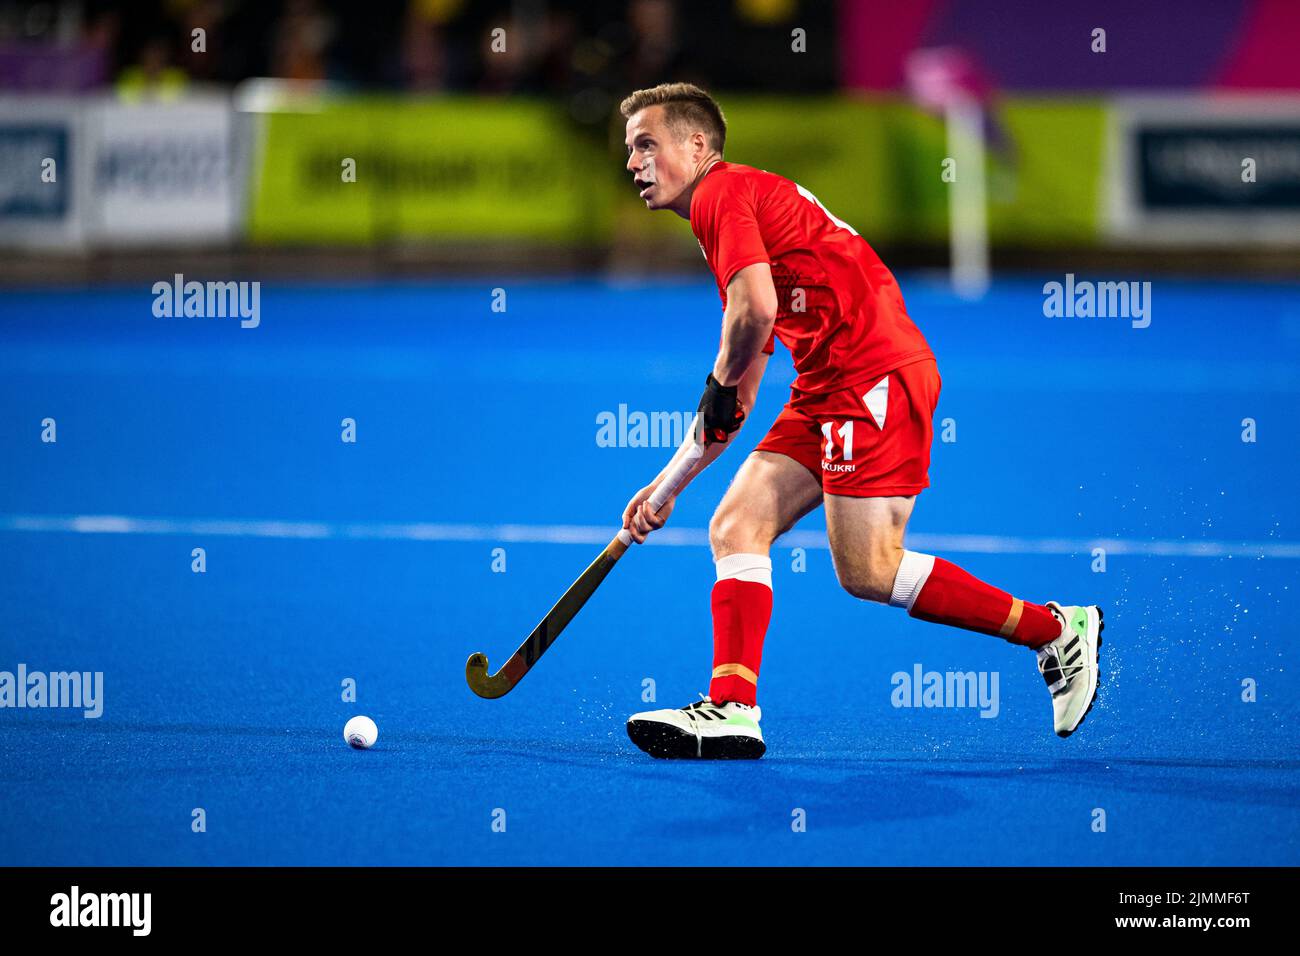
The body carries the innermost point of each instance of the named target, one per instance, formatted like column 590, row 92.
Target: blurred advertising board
column 42, row 172
column 37, row 68
column 95, row 172
column 1205, row 170
column 361, row 170
column 163, row 172
column 881, row 163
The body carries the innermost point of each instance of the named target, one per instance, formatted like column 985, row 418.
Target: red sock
column 742, row 607
column 948, row 595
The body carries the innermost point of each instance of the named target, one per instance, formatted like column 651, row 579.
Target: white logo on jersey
column 817, row 202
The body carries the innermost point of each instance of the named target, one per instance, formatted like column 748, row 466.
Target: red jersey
column 839, row 310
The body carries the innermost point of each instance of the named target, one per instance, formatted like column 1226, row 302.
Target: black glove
column 721, row 412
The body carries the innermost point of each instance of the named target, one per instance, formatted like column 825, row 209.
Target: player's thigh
column 768, row 496
column 866, row 539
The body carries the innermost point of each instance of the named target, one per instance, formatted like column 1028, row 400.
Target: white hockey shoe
column 702, row 730
column 1069, row 665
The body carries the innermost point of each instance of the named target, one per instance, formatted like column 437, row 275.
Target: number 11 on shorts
column 846, row 439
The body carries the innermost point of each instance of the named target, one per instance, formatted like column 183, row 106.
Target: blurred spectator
column 527, row 52
column 206, row 16
column 656, row 54
column 424, row 49
column 301, row 38
column 153, row 76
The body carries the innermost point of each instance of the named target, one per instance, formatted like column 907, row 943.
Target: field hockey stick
column 570, row 603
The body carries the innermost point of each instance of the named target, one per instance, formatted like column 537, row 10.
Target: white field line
column 600, row 535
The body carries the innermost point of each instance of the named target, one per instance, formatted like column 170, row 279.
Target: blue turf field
column 476, row 431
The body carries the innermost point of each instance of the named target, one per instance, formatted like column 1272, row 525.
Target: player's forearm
column 744, row 333
column 710, row 455
column 748, row 394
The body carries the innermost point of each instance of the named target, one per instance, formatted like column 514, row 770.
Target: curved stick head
column 489, row 686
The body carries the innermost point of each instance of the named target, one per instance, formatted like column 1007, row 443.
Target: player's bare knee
column 721, row 527
column 732, row 532
column 862, row 583
column 870, row 577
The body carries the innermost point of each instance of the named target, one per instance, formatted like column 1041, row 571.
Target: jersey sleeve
column 726, row 224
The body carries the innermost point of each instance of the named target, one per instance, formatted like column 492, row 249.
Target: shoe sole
column 666, row 742
column 1096, row 691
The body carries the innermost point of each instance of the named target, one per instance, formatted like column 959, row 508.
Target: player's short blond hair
column 686, row 108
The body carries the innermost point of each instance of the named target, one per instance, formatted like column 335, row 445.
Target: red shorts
column 870, row 441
